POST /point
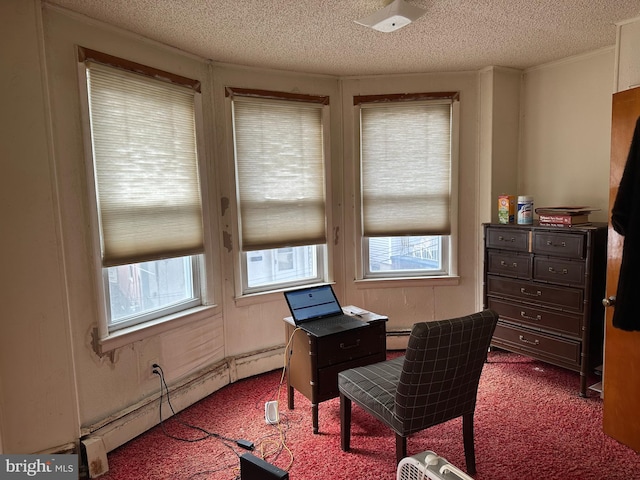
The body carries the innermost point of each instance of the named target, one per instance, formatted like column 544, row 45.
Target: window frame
column 320, row 252
column 323, row 250
column 449, row 242
column 153, row 315
column 445, row 247
column 106, row 338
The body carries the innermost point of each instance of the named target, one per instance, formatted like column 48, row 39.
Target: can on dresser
column 525, row 210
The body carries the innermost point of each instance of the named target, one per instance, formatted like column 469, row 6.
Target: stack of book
column 564, row 216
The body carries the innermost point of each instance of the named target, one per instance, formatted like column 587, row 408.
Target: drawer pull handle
column 528, row 317
column 536, row 294
column 503, row 239
column 563, row 272
column 524, row 340
column 347, row 347
column 506, row 264
column 551, row 244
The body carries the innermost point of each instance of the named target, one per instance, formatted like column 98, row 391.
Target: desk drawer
column 559, row 351
column 565, row 298
column 328, row 377
column 538, row 318
column 350, row 345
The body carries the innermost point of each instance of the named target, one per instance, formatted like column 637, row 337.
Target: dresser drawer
column 557, row 350
column 565, row 298
column 507, row 239
column 538, row 318
column 349, row 345
column 510, row 264
column 570, row 245
column 555, row 270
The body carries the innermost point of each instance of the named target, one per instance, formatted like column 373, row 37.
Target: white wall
column 37, row 391
column 627, row 73
column 500, row 120
column 566, row 132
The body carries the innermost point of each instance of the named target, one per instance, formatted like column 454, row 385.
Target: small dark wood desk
column 314, row 362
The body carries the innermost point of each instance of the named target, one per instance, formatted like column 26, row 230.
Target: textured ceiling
column 320, row 36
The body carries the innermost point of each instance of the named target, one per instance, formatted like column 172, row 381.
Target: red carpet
column 530, row 423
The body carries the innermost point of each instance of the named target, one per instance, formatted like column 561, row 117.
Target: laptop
column 317, row 311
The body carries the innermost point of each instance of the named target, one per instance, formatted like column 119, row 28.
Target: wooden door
column 621, row 379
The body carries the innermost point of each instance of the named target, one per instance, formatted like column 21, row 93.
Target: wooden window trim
column 86, row 54
column 298, row 97
column 405, row 97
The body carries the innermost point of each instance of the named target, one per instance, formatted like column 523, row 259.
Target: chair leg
column 469, row 446
column 401, row 447
column 345, row 423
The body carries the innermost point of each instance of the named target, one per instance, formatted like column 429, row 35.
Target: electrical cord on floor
column 267, row 447
column 157, row 369
column 281, row 444
column 236, row 472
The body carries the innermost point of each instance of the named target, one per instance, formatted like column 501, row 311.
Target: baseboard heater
column 398, row 339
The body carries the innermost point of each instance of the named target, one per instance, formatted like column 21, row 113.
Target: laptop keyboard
column 330, row 321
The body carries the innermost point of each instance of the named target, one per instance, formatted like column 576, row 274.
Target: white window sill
column 401, row 282
column 275, row 295
column 126, row 336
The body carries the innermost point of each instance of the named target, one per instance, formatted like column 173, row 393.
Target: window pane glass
column 405, row 254
column 289, row 265
column 146, row 290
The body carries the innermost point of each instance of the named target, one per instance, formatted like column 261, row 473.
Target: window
column 407, row 181
column 141, row 291
column 406, row 255
column 147, row 194
column 279, row 147
column 281, row 266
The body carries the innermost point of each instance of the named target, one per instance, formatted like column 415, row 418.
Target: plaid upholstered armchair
column 435, row 381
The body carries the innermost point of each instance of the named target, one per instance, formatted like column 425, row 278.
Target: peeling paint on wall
column 97, row 349
column 224, row 205
column 226, row 241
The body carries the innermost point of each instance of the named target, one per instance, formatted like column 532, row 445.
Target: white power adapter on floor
column 271, row 415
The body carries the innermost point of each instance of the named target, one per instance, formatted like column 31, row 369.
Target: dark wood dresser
column 547, row 285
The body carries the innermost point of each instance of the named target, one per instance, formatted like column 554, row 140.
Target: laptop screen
column 313, row 302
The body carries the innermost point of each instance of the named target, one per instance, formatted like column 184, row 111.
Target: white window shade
column 145, row 164
column 280, row 172
column 406, row 168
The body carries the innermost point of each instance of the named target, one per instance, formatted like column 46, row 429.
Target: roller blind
column 145, row 166
column 280, row 172
column 406, row 168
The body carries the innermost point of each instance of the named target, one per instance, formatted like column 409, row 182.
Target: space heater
column 428, row 465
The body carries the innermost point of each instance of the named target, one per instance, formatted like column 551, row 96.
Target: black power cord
column 246, row 444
